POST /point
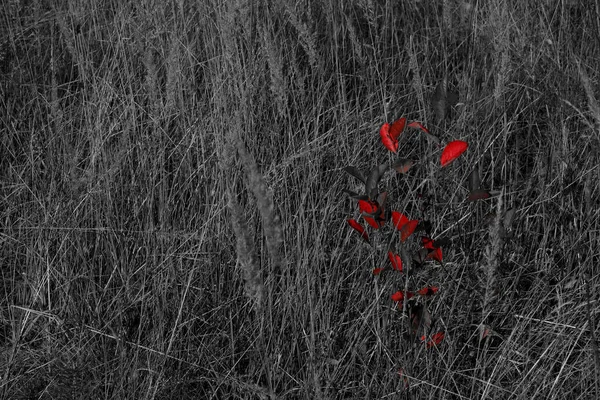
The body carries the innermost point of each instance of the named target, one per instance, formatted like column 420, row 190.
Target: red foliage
column 359, row 228
column 452, row 151
column 435, row 339
column 396, row 261
column 399, row 297
column 390, row 133
column 428, row 291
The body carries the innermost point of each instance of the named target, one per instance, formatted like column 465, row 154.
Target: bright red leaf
column 396, row 261
column 430, row 244
column 399, row 219
column 386, row 138
column 428, row 291
column 404, row 225
column 427, row 243
column 408, row 229
column 452, row 151
column 372, row 223
column 399, row 297
column 367, row 206
column 372, row 212
column 377, row 271
column 390, row 134
column 397, row 128
column 359, row 228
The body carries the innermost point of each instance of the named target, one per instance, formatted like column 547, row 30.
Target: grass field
column 173, row 214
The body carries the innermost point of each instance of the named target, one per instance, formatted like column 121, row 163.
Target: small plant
column 374, row 208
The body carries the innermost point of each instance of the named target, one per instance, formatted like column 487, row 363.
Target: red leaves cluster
column 434, row 250
column 372, row 207
column 372, row 212
column 391, row 132
column 426, row 292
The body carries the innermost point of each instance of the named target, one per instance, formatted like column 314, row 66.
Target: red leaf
column 359, row 228
column 399, row 296
column 427, row 243
column 404, row 225
column 397, row 128
column 396, row 261
column 438, row 337
column 452, row 151
column 367, row 206
column 418, row 125
column 408, row 229
column 377, row 271
column 436, row 255
column 428, row 291
column 390, row 134
column 399, row 219
column 372, row 212
column 435, row 339
column 428, row 135
column 403, row 165
column 386, row 138
column 371, row 222
column 430, row 244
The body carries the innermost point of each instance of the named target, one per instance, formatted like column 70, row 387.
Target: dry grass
column 167, row 167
